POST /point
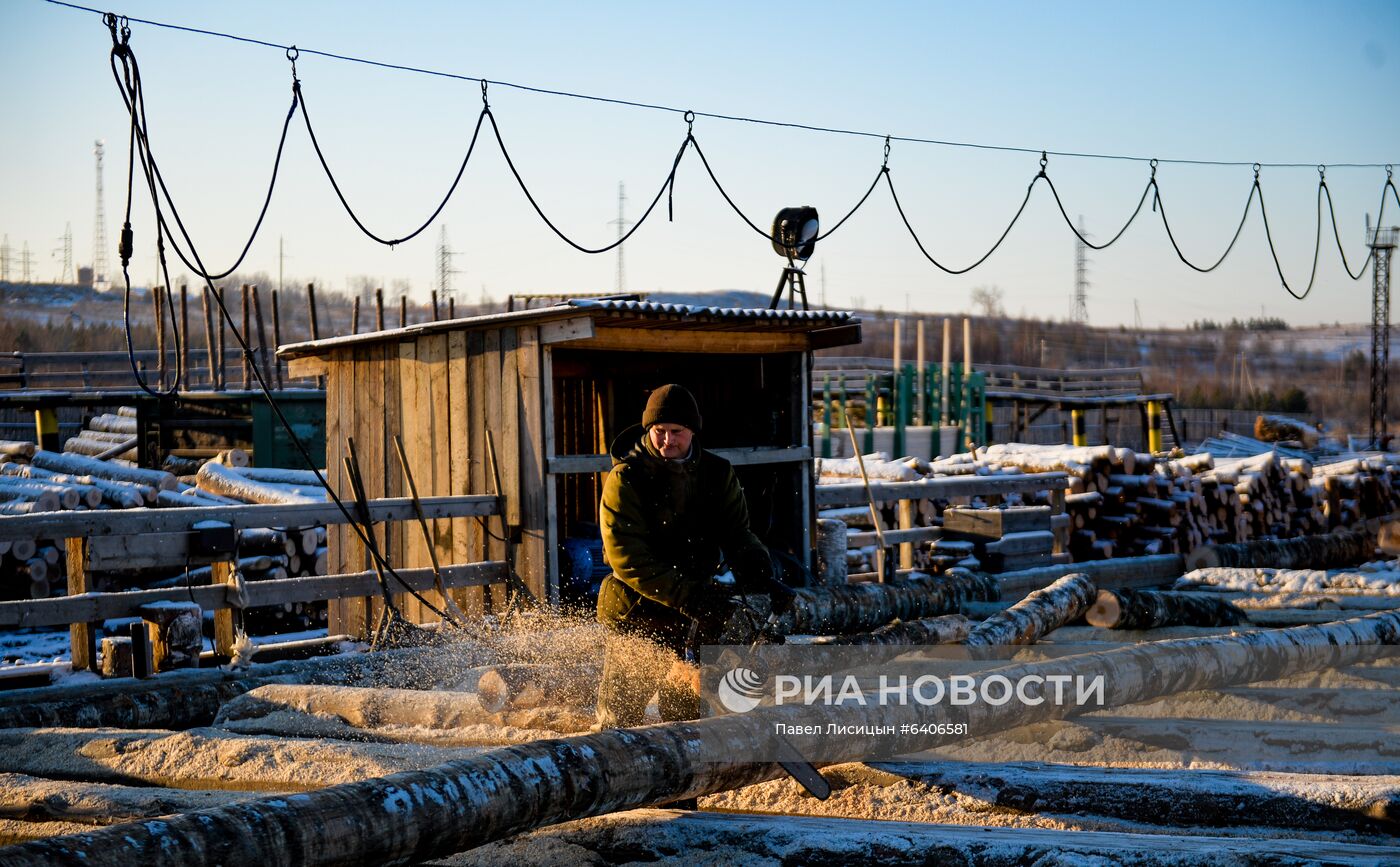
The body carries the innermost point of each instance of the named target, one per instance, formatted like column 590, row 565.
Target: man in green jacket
column 671, row 514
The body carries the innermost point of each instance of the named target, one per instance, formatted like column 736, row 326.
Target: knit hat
column 672, row 404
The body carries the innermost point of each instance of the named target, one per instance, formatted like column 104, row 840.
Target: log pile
column 1119, row 503
column 35, row 480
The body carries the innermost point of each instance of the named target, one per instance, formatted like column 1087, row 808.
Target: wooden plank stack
column 1002, row 540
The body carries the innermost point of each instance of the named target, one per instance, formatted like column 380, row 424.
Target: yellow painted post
column 1081, row 436
column 1154, row 427
column 46, row 426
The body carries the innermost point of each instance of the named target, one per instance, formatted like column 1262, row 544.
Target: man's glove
column 752, row 569
column 710, row 606
column 781, row 595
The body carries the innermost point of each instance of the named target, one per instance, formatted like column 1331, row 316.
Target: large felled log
column 82, row 466
column 863, row 607
column 366, row 707
column 1039, row 613
column 656, row 836
column 1305, row 552
column 421, row 814
column 35, row 799
column 1150, row 609
column 948, row 629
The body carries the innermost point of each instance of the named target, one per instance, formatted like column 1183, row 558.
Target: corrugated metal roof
column 689, row 311
column 656, row 315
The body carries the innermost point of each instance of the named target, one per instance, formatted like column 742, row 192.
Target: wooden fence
column 178, row 537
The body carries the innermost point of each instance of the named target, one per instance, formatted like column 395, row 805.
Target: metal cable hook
column 886, row 163
column 126, row 29
column 1322, row 173
column 1044, row 160
column 292, row 55
column 689, row 117
column 1387, row 172
column 1153, row 163
column 1256, row 172
column 485, row 103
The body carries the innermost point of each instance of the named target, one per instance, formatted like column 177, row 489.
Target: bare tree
column 987, row 299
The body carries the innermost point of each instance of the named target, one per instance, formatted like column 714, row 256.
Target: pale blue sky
column 1273, row 82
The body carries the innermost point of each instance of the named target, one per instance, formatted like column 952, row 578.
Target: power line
column 331, row 55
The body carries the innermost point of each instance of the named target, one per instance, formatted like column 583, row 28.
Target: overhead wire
column 668, row 185
column 737, row 118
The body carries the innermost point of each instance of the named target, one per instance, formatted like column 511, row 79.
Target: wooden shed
column 530, row 401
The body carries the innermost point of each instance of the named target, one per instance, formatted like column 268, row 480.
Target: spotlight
column 794, row 238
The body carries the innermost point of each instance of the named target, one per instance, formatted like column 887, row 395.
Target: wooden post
column 435, row 305
column 184, row 341
column 906, row 522
column 276, row 340
column 379, row 308
column 158, row 300
column 219, row 317
column 947, row 367
column 451, row 307
column 403, row 310
column 921, row 405
column 355, row 315
column 311, row 311
column 209, row 314
column 262, row 338
column 315, row 327
column 228, row 622
column 247, row 337
column 81, row 636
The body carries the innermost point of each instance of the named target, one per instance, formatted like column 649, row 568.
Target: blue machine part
column 583, row 569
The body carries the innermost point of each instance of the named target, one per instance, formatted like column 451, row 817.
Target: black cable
column 148, row 161
column 667, row 184
column 388, row 242
column 920, row 244
column 1110, row 242
column 129, row 83
column 729, row 199
column 713, row 115
column 1161, row 208
column 1317, row 242
column 1380, row 221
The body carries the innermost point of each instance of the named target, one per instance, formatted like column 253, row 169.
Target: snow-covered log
column 863, row 607
column 947, row 629
column 276, row 475
column 421, row 814
column 1304, row 552
column 1039, row 613
column 17, row 448
column 1379, row 582
column 79, row 465
column 225, row 482
column 1150, row 609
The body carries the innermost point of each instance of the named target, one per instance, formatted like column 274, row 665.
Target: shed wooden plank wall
column 442, row 393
